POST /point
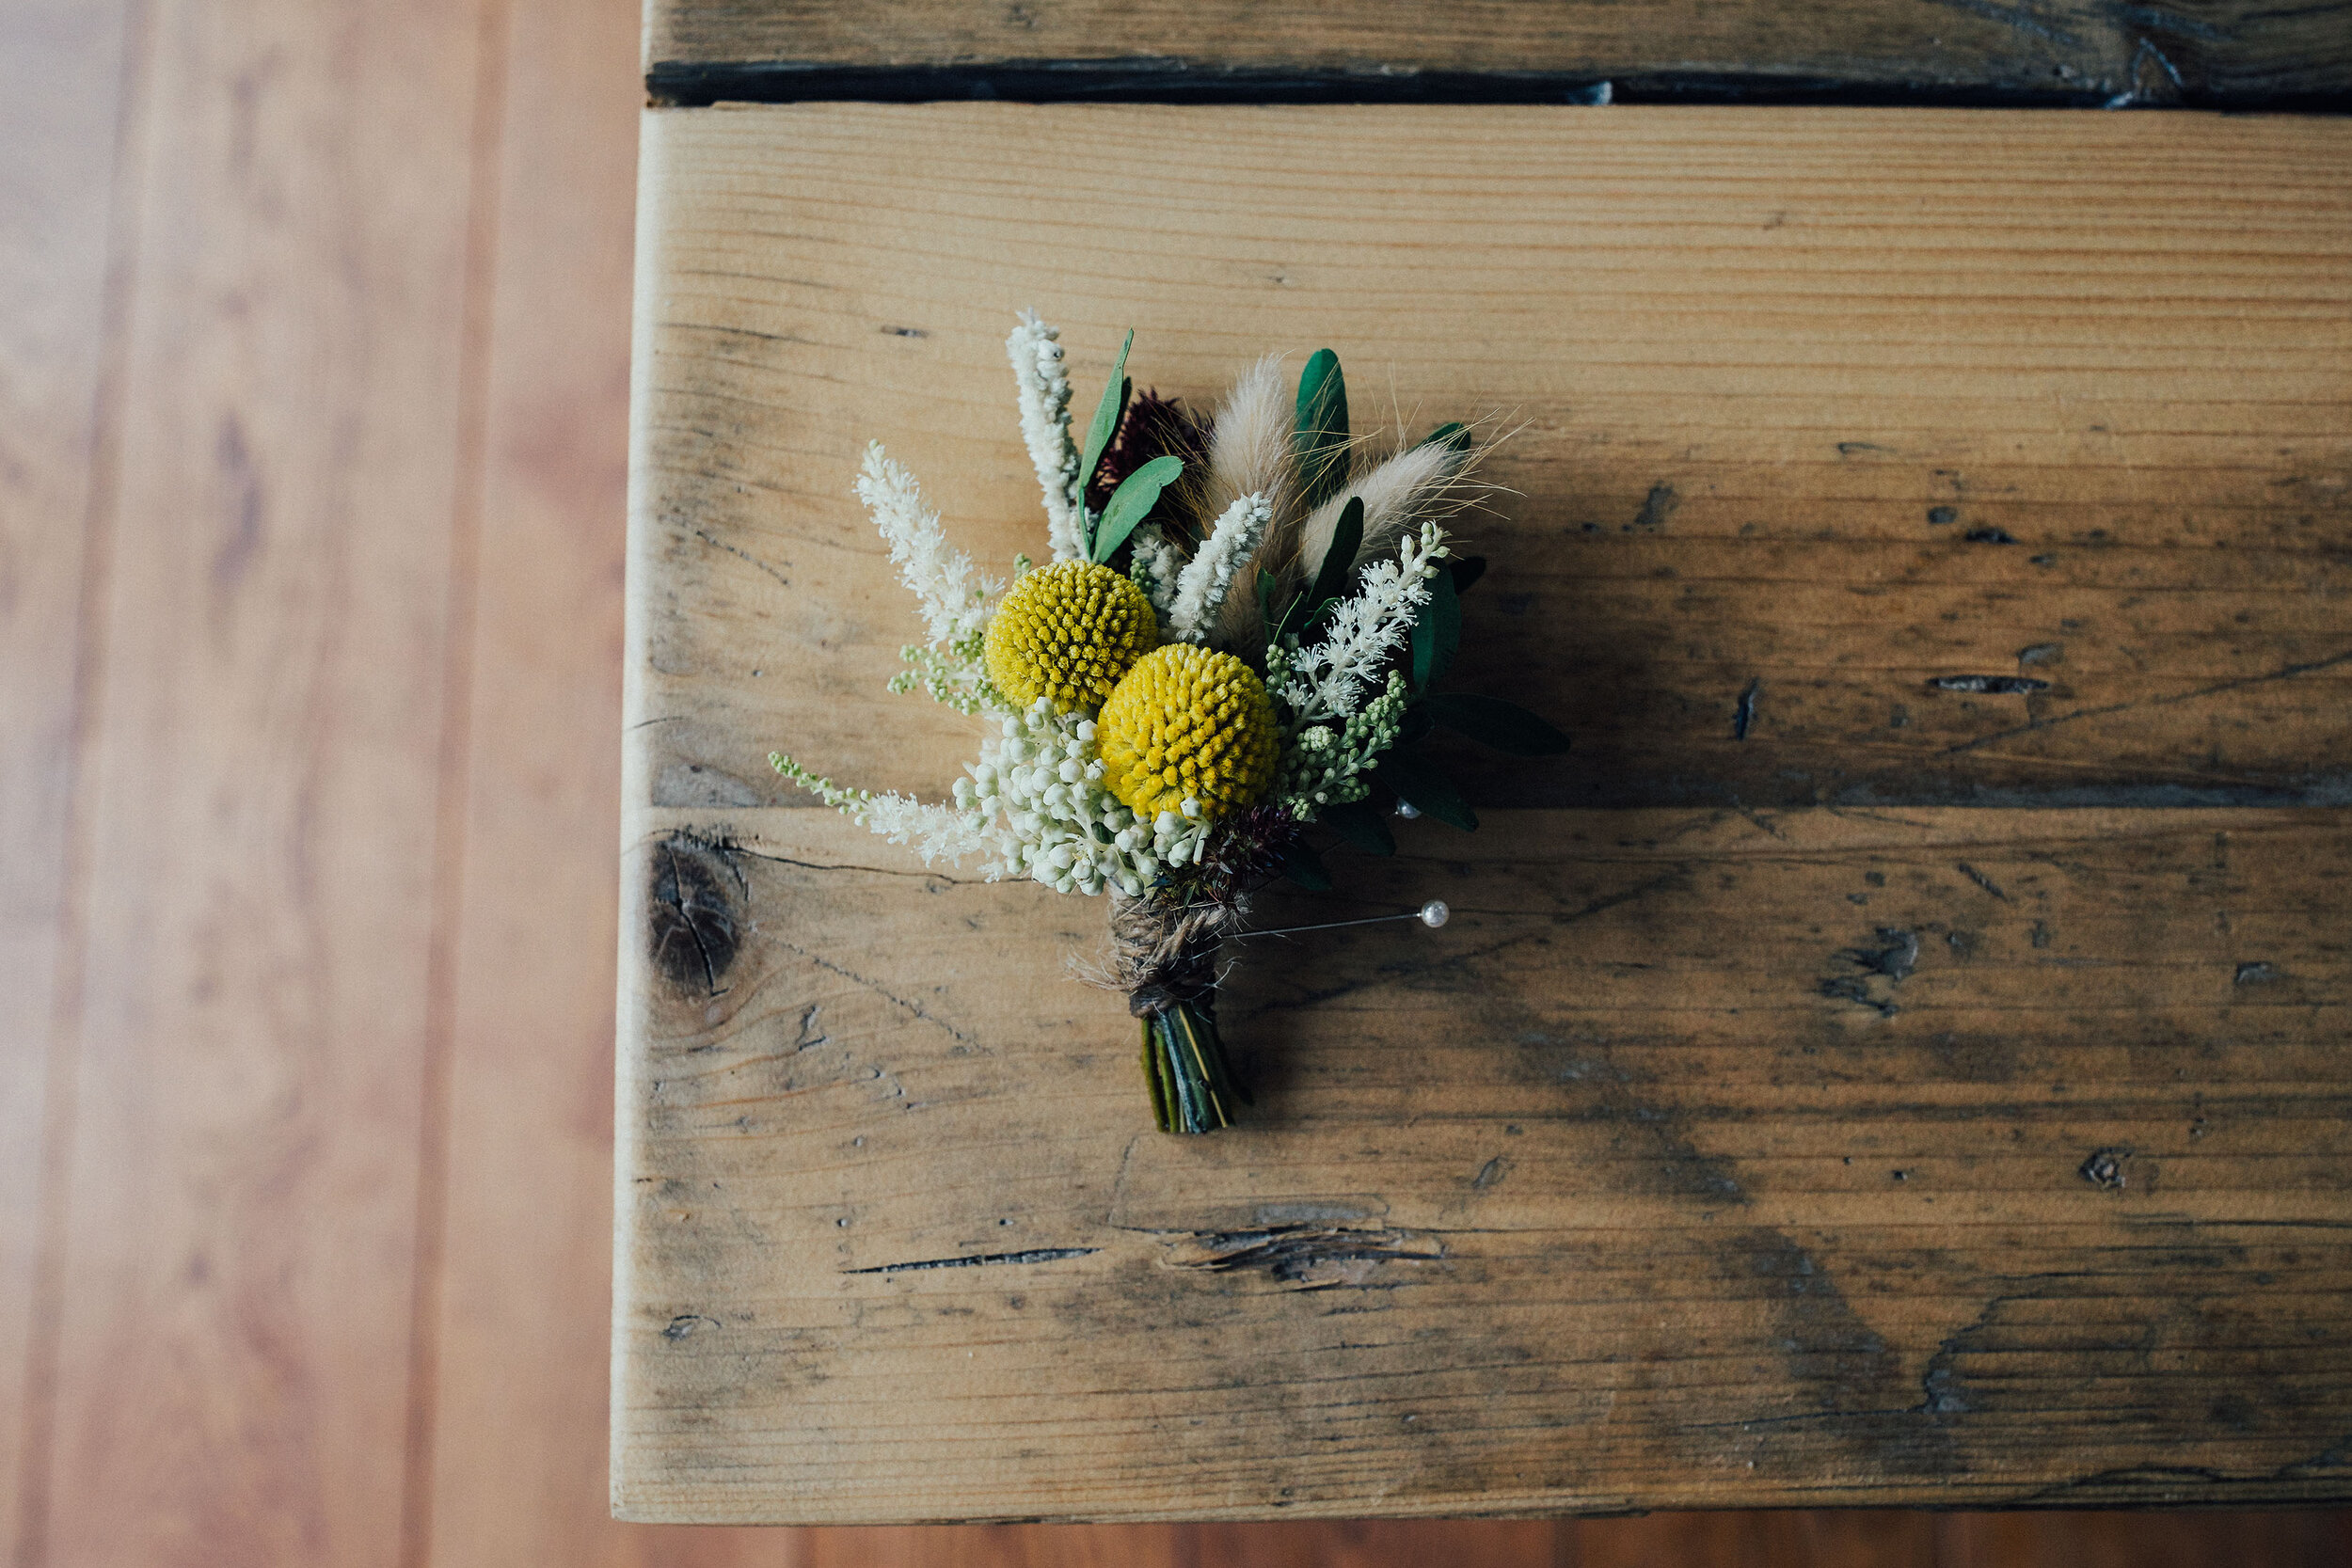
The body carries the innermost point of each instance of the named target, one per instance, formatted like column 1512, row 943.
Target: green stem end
column 1184, row 1062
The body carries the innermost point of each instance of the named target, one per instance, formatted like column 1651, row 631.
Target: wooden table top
column 1897, row 1058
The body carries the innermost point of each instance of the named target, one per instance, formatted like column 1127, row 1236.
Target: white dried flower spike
column 953, row 592
column 1328, row 680
column 1157, row 566
column 1035, row 350
column 1201, row 586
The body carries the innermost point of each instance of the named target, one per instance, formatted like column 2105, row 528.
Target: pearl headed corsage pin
column 1236, row 644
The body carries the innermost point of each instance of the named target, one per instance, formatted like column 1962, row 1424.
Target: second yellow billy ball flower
column 1188, row 724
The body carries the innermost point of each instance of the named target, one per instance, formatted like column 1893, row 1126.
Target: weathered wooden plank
column 1705, row 1159
column 61, row 98
column 1859, row 456
column 2212, row 51
column 239, row 1237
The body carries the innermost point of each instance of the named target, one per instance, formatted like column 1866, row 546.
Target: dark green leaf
column 1132, row 503
column 1320, row 438
column 1305, row 867
column 1429, row 791
column 1358, row 822
column 1437, row 631
column 1446, row 610
column 1467, row 569
column 1106, row 415
column 1456, row 436
column 1492, row 722
column 1424, row 645
column 1333, row 577
column 1416, row 727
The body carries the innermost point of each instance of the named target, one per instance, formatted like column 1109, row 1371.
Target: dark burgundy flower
column 1153, row 426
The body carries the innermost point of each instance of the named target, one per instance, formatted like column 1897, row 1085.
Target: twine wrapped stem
column 1164, row 957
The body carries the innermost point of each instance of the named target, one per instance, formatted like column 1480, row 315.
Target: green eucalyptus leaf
column 1320, row 438
column 1492, row 722
column 1358, row 822
column 1305, row 867
column 1445, row 610
column 1132, row 503
column 1414, row 779
column 1455, row 436
column 1467, row 569
column 1106, row 415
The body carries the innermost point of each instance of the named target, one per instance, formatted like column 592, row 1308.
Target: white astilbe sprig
column 937, row 832
column 1328, row 680
column 1201, row 587
column 954, row 593
column 1035, row 350
column 1033, row 805
column 1155, row 566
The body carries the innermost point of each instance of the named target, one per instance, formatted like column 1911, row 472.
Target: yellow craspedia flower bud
column 1187, row 725
column 1067, row 632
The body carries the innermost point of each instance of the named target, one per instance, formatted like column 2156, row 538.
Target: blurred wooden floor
column 313, row 341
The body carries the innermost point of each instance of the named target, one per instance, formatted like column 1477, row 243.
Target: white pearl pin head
column 1407, row 810
column 1432, row 914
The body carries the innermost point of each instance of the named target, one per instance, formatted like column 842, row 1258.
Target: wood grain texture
column 1819, row 419
column 2209, row 52
column 518, row 1431
column 239, row 1236
column 61, row 96
column 1765, row 1184
column 1705, row 1159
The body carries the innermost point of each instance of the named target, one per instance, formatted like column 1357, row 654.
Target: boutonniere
column 1233, row 651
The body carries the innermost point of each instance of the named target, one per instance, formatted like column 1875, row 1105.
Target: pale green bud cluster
column 1323, row 767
